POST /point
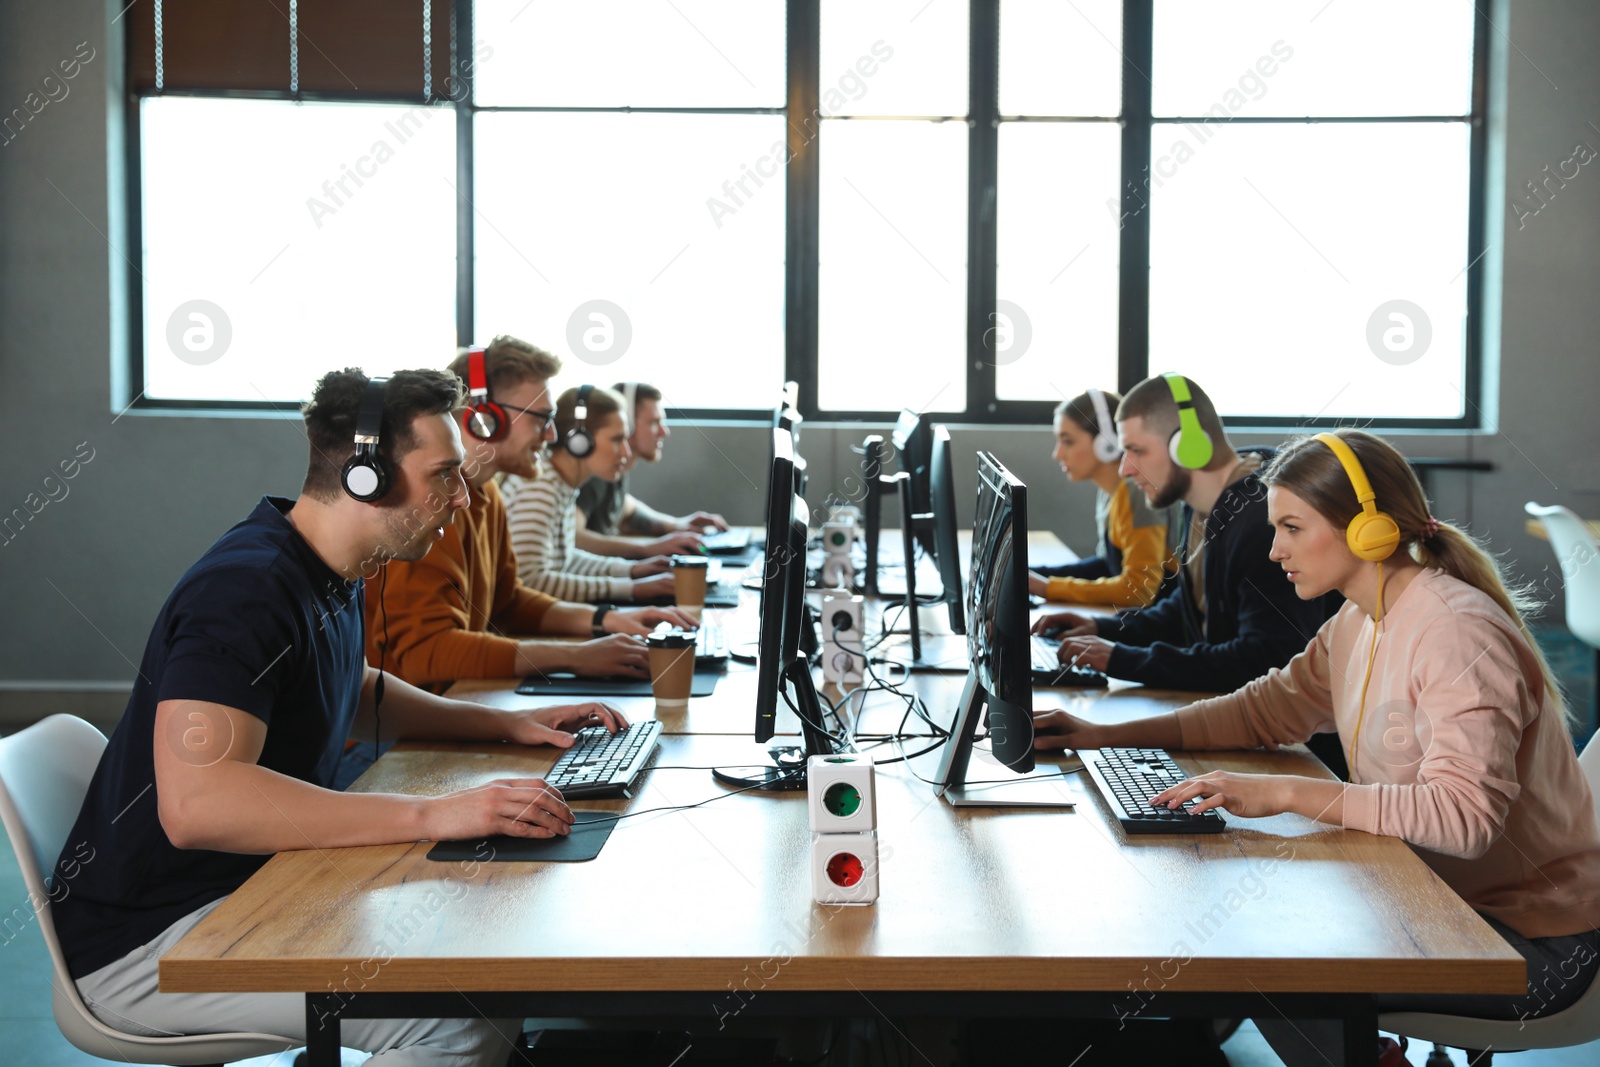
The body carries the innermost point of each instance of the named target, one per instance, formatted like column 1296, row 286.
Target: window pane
column 630, row 53
column 1312, row 57
column 1061, row 59
column 1278, row 254
column 1057, row 259
column 892, row 253
column 637, row 247
column 893, row 57
column 286, row 240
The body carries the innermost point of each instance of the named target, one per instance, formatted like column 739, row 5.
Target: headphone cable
column 377, row 687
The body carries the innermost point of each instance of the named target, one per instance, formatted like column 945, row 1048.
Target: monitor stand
column 942, row 653
column 1036, row 790
column 788, row 773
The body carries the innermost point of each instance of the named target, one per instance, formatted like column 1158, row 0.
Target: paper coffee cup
column 689, row 578
column 671, row 667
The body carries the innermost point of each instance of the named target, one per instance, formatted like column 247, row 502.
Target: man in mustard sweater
column 449, row 613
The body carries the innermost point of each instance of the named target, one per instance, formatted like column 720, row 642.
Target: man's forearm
column 642, row 520
column 568, row 618
column 410, row 712
column 534, row 657
column 607, row 545
column 246, row 808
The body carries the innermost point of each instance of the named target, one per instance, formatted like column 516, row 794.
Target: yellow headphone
column 1372, row 535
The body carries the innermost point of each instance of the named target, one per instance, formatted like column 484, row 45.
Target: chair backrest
column 1589, row 760
column 44, row 774
column 1579, row 557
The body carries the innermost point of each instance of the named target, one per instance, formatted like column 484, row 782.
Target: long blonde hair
column 1309, row 469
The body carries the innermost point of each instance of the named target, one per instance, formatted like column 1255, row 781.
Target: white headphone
column 1106, row 449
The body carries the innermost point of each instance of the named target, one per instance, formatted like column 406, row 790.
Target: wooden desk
column 981, row 912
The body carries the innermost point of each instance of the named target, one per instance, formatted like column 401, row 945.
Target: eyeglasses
column 545, row 417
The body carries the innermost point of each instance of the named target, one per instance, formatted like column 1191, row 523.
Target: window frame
column 801, row 285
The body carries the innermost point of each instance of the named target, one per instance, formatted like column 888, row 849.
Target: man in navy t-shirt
column 251, row 683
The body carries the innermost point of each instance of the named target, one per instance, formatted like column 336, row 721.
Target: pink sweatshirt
column 1462, row 753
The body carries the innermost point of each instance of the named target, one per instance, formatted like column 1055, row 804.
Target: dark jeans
column 354, row 763
column 1559, row 971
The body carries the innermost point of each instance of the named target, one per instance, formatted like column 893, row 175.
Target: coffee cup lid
column 690, row 561
column 670, row 639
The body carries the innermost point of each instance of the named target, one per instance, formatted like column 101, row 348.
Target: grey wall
column 86, row 575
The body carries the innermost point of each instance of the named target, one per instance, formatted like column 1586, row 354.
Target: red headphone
column 483, row 418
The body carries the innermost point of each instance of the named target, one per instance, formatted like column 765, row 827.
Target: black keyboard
column 603, row 764
column 1048, row 670
column 734, row 540
column 1128, row 777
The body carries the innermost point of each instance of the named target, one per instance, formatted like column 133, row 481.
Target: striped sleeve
column 543, row 531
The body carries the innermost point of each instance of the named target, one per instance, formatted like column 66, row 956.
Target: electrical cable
column 702, row 803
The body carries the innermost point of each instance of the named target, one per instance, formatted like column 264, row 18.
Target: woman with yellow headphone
column 1454, row 727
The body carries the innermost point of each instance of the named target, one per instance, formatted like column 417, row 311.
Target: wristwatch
column 596, row 624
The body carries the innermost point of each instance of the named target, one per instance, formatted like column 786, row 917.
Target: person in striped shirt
column 543, row 510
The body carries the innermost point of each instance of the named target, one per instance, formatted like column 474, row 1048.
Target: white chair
column 44, row 774
column 1577, row 1025
column 1580, row 568
column 1579, row 557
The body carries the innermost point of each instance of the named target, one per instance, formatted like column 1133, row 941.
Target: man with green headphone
column 1232, row 616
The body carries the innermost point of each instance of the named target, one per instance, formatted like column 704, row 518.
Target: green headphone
column 1190, row 446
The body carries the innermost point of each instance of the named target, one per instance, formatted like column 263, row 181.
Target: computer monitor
column 938, row 525
column 913, row 439
column 786, row 416
column 875, row 485
column 946, row 550
column 998, row 644
column 781, row 662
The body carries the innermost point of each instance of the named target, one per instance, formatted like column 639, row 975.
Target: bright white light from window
column 1058, row 252
column 286, row 240
column 630, row 53
column 674, row 221
column 1277, row 253
column 892, row 311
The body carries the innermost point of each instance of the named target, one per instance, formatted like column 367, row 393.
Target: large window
column 970, row 207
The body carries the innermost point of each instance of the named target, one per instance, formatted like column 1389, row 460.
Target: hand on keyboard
column 1250, row 796
column 1090, row 653
column 515, row 807
column 556, row 725
column 642, row 620
column 678, row 543
column 614, row 656
column 1064, row 624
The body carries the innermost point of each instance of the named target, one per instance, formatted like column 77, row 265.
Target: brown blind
column 356, row 48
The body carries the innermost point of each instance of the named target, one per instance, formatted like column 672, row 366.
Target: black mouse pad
column 590, row 829
column 535, row 685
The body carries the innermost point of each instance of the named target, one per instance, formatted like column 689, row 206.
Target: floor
column 29, row 1036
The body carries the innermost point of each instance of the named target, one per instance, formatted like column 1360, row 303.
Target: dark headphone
column 365, row 476
column 483, row 418
column 579, row 442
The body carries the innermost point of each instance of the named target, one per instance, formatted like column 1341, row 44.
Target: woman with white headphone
column 1132, row 554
